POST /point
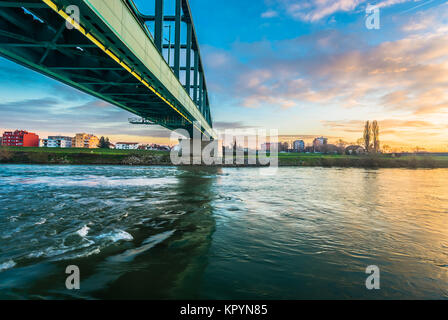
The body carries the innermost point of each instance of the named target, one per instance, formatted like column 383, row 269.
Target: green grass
column 82, row 156
column 82, row 151
column 370, row 161
column 143, row 157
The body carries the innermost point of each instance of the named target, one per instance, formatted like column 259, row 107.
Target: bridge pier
column 198, row 152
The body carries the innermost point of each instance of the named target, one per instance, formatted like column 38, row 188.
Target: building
column 84, row 140
column 354, row 150
column 280, row 146
column 20, row 138
column 299, row 146
column 59, row 142
column 126, row 145
column 156, row 147
column 43, row 143
column 319, row 143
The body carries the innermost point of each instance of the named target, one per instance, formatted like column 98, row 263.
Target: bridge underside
column 34, row 35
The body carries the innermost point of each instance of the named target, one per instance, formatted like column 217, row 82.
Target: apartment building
column 20, row 138
column 84, row 140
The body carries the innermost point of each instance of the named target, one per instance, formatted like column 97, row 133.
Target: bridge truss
column 114, row 58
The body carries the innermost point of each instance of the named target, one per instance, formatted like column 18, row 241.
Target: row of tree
column 371, row 137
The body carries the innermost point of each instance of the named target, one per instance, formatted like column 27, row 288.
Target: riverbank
column 75, row 156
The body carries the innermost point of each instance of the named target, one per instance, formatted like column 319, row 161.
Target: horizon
column 307, row 71
column 308, row 140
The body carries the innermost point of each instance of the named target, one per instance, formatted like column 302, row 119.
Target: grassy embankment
column 82, row 156
column 365, row 161
column 140, row 157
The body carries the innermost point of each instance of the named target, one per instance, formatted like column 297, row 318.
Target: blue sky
column 307, row 68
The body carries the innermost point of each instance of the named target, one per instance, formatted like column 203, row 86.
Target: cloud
column 67, row 93
column 403, row 134
column 429, row 22
column 94, row 116
column 333, row 68
column 29, row 105
column 269, row 14
column 407, row 132
column 316, row 10
column 387, row 124
column 223, row 125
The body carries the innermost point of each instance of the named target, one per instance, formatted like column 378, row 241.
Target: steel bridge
column 108, row 51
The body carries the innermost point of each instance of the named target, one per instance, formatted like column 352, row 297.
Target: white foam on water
column 148, row 244
column 42, row 221
column 84, row 255
column 98, row 181
column 117, row 235
column 7, row 265
column 84, row 231
column 37, row 254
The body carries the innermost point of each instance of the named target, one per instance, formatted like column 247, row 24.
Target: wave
column 7, row 265
column 148, row 244
column 94, row 181
column 117, row 235
column 41, row 221
column 83, row 231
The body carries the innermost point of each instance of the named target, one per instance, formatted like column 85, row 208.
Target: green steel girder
column 37, row 39
column 182, row 14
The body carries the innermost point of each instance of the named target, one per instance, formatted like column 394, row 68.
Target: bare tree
column 376, row 136
column 367, row 136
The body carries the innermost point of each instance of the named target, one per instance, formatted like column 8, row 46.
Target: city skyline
column 307, row 70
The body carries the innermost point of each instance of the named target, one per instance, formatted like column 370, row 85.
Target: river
column 222, row 233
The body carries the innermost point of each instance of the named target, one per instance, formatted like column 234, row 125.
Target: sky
column 305, row 67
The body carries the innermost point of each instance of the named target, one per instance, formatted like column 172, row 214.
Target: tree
column 367, row 136
column 418, row 149
column 341, row 145
column 235, row 146
column 387, row 149
column 360, row 141
column 376, row 136
column 104, row 143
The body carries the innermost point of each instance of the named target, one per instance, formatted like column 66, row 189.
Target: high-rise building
column 20, row 138
column 84, row 140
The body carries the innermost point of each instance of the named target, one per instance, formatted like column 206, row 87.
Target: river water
column 230, row 233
